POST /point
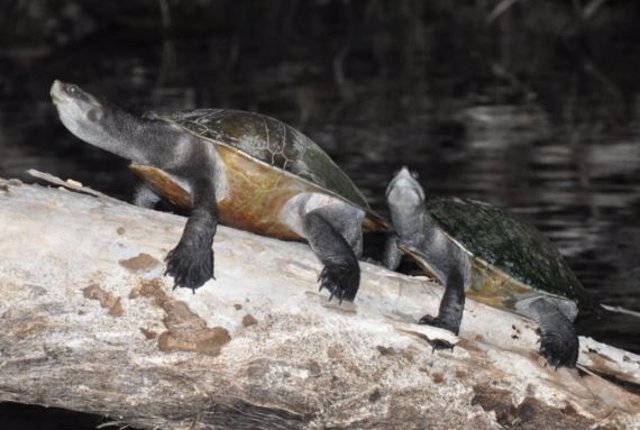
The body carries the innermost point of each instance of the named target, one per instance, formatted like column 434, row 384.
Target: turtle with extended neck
column 478, row 250
column 243, row 169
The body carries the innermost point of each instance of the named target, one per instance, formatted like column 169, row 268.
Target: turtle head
column 404, row 191
column 406, row 201
column 79, row 111
column 93, row 120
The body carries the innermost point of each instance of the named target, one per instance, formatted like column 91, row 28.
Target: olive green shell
column 272, row 142
column 496, row 239
column 264, row 165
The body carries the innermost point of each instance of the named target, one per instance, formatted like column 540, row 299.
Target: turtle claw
column 341, row 281
column 437, row 344
column 440, row 344
column 190, row 267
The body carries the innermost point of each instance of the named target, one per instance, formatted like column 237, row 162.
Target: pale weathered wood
column 87, row 322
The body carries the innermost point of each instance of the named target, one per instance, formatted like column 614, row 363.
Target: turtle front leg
column 559, row 343
column 450, row 311
column 451, row 268
column 341, row 272
column 191, row 261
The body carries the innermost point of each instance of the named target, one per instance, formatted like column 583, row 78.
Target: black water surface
column 537, row 111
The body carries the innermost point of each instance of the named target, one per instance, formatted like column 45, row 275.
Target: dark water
column 558, row 142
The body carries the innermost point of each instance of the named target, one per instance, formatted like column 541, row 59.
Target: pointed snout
column 404, row 188
column 403, row 178
column 404, row 172
column 57, row 92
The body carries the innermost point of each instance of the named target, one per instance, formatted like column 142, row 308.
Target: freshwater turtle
column 473, row 247
column 247, row 170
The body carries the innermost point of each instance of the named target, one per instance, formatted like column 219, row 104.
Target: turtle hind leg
column 191, row 261
column 341, row 273
column 558, row 338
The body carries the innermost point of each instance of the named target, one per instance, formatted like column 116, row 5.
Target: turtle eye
column 72, row 90
column 414, row 174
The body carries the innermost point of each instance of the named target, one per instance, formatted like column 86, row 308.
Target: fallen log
column 89, row 323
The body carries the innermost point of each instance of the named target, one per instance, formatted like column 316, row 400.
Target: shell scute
column 272, row 142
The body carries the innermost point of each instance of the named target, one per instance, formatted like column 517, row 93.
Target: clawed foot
column 438, row 344
column 190, row 267
column 559, row 350
column 341, row 281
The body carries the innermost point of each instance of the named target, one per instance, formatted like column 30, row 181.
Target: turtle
column 479, row 250
column 246, row 170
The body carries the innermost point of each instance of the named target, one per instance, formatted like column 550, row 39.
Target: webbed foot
column 559, row 348
column 341, row 281
column 341, row 272
column 558, row 338
column 190, row 266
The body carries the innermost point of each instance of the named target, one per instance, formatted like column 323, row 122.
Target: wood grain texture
column 89, row 323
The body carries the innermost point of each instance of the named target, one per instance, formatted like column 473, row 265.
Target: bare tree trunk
column 89, row 323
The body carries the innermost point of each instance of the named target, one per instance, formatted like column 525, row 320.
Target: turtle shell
column 512, row 258
column 266, row 162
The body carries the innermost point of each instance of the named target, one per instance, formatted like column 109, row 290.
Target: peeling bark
column 90, row 324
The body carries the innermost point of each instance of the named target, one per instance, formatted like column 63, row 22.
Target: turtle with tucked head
column 243, row 169
column 478, row 250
